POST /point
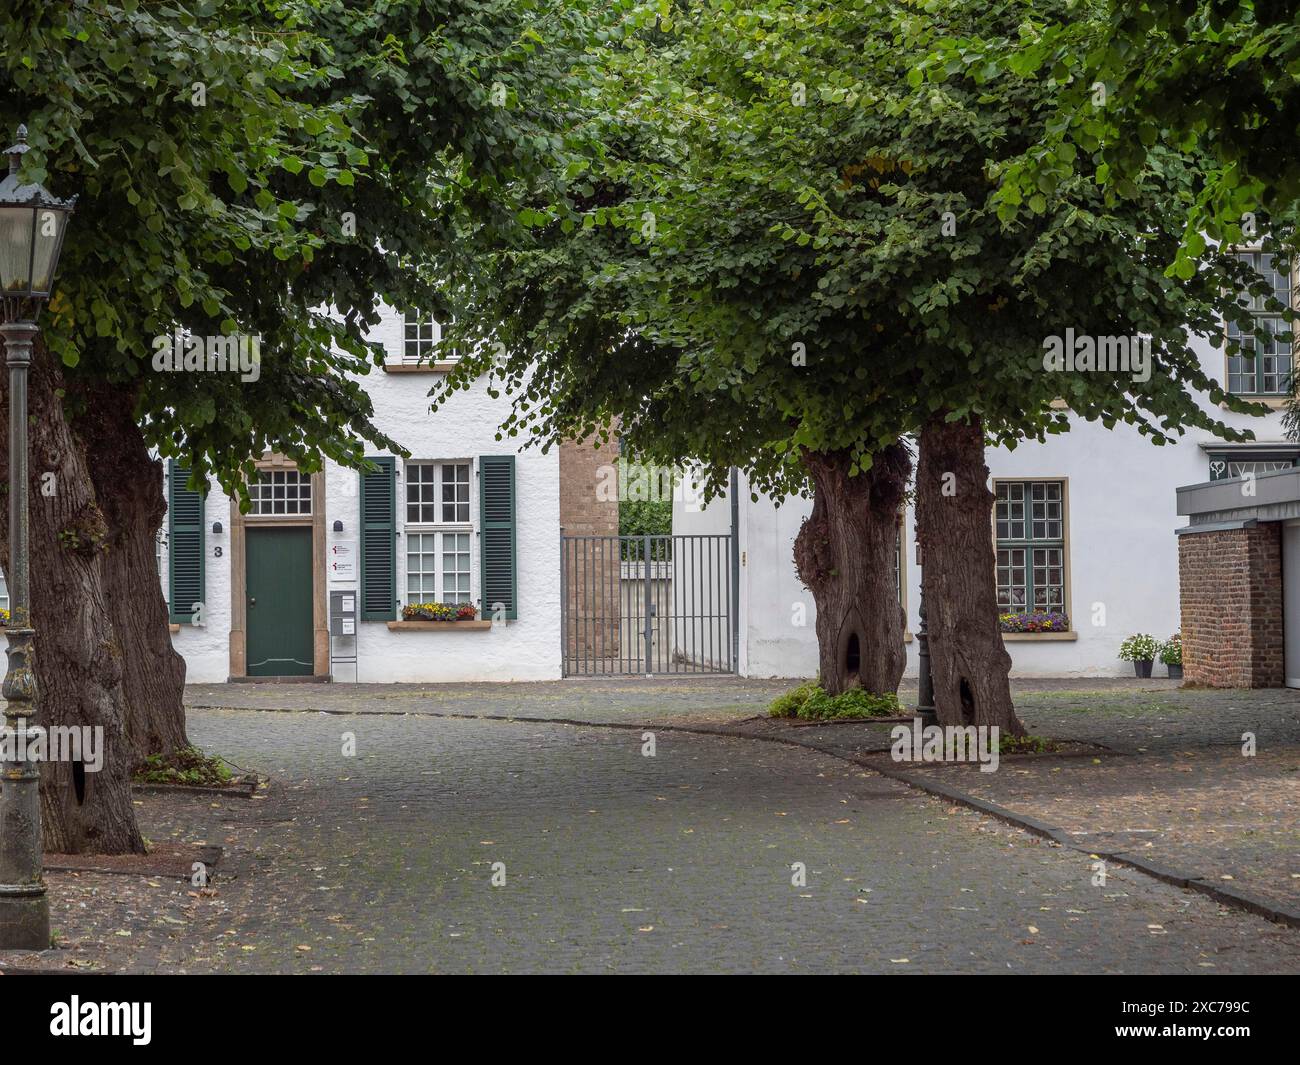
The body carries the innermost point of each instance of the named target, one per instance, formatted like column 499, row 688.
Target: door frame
column 239, row 524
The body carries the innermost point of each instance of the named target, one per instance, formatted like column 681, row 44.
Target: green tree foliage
column 262, row 167
column 738, row 275
column 1219, row 77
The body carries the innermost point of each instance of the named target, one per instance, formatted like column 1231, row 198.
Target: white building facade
column 312, row 582
column 1084, row 525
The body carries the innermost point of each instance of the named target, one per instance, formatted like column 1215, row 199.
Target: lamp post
column 32, row 224
column 924, row 682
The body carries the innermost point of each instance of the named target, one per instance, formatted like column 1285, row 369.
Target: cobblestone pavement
column 1183, row 796
column 613, row 861
column 1208, row 813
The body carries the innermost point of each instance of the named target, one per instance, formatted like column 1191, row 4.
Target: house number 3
column 216, row 552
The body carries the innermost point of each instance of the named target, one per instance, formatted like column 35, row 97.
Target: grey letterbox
column 343, row 613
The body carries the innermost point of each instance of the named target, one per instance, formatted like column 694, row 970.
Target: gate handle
column 252, row 601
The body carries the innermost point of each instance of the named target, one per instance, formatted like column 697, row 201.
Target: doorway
column 278, row 601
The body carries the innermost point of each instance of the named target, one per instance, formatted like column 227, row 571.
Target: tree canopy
column 782, row 228
column 262, row 167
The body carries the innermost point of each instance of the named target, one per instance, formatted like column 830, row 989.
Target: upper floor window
column 280, row 492
column 420, row 337
column 1030, row 526
column 1261, row 365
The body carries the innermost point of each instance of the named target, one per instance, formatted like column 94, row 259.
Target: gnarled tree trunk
column 128, row 486
column 845, row 554
column 968, row 662
column 78, row 655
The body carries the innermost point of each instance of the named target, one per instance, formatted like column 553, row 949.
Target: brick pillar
column 589, row 507
column 1230, row 584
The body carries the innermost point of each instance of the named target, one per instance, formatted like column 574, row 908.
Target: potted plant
column 1140, row 649
column 1171, row 654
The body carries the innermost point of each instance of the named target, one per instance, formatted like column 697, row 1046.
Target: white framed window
column 1262, row 366
column 437, row 493
column 280, row 492
column 438, row 567
column 439, row 532
column 420, row 335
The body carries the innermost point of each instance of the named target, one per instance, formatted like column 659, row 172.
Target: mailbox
column 343, row 613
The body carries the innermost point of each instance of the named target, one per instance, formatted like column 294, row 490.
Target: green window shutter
column 496, row 501
column 379, row 541
column 184, row 545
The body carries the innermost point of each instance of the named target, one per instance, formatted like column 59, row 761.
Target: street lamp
column 32, row 224
column 924, row 681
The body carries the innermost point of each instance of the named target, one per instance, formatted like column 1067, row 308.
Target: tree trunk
column 845, row 555
column 954, row 506
column 78, row 657
column 128, row 485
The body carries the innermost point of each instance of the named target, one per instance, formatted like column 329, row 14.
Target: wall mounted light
column 338, row 525
column 216, row 528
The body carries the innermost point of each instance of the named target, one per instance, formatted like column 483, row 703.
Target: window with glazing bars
column 437, row 493
column 280, row 492
column 420, row 337
column 1030, row 525
column 1262, row 365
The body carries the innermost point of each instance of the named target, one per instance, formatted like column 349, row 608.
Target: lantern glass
column 16, row 230
column 47, row 237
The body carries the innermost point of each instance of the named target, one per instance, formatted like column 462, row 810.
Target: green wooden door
column 279, row 602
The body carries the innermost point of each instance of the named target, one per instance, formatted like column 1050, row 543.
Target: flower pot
column 1175, row 671
column 1143, row 667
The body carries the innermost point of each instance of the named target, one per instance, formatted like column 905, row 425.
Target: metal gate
column 648, row 604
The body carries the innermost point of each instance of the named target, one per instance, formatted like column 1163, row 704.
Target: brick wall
column 589, row 507
column 1230, row 585
column 589, row 488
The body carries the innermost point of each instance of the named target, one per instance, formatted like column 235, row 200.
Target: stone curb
column 1228, row 896
column 241, row 791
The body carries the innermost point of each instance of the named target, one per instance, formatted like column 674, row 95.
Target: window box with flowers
column 419, row 616
column 1035, row 625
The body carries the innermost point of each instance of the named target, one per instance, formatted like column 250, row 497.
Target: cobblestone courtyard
column 615, row 861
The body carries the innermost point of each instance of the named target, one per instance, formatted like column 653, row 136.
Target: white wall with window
column 437, row 536
column 439, row 542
